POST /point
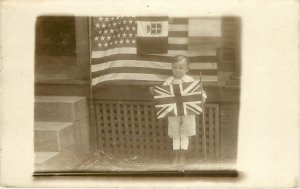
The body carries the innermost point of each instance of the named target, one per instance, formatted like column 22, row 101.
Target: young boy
column 180, row 128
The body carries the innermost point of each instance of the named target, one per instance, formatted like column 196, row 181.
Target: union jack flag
column 178, row 99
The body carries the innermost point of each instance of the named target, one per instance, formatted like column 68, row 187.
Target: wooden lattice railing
column 123, row 127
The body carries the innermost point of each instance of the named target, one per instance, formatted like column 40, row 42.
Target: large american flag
column 115, row 59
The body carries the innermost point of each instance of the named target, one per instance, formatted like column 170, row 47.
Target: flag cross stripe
column 178, row 99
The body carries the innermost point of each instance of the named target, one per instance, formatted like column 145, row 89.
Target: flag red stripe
column 124, row 82
column 161, row 110
column 196, row 86
column 166, row 59
column 147, row 71
column 194, row 109
column 152, row 18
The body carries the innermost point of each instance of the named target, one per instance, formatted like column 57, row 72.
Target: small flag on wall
column 114, row 46
column 152, row 35
column 178, row 99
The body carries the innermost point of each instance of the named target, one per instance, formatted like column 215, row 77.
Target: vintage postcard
column 102, row 116
column 204, row 93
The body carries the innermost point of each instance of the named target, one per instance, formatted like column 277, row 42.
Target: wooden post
column 234, row 37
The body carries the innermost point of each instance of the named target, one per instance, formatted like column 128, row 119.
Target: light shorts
column 181, row 125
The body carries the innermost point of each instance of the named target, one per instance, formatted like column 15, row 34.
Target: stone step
column 53, row 136
column 57, row 161
column 42, row 157
column 82, row 135
column 60, row 108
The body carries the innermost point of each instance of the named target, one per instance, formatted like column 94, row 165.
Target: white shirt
column 173, row 80
column 185, row 78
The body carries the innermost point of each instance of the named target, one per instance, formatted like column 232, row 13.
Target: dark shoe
column 175, row 157
column 182, row 158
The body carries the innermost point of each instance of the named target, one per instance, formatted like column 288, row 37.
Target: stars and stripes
column 115, row 59
column 112, row 32
column 178, row 99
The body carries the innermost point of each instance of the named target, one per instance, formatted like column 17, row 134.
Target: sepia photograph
column 136, row 94
column 142, row 93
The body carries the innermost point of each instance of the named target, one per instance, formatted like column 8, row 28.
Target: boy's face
column 180, row 68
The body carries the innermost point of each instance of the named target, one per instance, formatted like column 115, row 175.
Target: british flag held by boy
column 178, row 99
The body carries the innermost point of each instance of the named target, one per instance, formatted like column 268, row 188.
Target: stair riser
column 60, row 111
column 82, row 135
column 54, row 140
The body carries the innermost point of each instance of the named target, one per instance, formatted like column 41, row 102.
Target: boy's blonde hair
column 179, row 58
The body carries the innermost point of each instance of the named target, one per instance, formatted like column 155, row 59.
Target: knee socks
column 181, row 143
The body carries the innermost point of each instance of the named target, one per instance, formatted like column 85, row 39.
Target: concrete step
column 42, row 157
column 53, row 136
column 82, row 135
column 57, row 161
column 60, row 108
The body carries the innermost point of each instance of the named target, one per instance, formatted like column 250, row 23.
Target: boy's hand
column 204, row 100
column 204, row 96
column 151, row 90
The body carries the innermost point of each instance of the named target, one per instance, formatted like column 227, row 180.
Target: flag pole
column 203, row 123
column 92, row 113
